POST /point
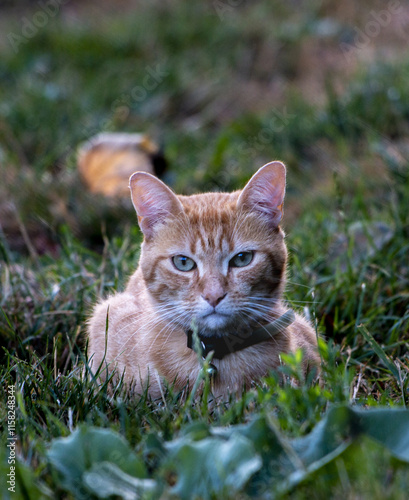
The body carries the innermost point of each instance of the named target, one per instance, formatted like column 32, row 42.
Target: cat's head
column 216, row 259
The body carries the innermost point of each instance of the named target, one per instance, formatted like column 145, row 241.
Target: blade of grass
column 379, row 352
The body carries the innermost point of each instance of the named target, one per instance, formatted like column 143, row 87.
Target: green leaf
column 336, row 429
column 288, row 462
column 212, row 467
column 388, row 427
column 207, row 462
column 341, row 427
column 85, row 449
column 106, row 479
column 267, row 442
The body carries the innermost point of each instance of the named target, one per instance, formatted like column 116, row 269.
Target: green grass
column 62, row 248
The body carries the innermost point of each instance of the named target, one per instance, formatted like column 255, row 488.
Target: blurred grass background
column 233, row 88
column 322, row 87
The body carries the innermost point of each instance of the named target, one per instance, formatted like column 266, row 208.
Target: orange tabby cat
column 214, row 262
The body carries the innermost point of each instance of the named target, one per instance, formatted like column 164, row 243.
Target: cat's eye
column 183, row 263
column 242, row 259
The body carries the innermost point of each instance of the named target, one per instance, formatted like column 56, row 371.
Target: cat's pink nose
column 214, row 299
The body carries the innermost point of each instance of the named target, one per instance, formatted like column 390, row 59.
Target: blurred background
column 222, row 87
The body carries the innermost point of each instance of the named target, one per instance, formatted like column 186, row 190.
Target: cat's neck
column 223, row 345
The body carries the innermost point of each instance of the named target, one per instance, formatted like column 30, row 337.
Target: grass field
column 237, row 84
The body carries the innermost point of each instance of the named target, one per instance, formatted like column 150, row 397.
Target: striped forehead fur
column 212, row 217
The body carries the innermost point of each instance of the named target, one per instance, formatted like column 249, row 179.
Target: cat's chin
column 218, row 325
column 215, row 321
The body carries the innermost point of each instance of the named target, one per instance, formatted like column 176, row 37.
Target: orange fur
column 147, row 323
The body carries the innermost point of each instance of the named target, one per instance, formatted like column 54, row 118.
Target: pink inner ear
column 264, row 193
column 149, row 200
column 153, row 201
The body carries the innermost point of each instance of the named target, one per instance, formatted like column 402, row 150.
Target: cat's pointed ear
column 264, row 192
column 154, row 202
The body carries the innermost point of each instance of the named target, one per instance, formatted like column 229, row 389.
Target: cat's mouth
column 214, row 321
column 215, row 313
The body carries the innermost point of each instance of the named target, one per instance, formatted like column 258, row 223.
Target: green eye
column 242, row 259
column 183, row 263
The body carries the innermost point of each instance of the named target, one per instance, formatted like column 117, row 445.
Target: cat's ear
column 154, row 202
column 264, row 192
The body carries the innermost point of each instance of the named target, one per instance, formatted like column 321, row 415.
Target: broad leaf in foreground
column 205, row 462
column 78, row 456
